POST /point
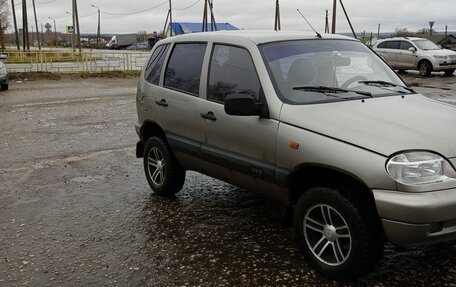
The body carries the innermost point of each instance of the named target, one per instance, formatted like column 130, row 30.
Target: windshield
column 311, row 71
column 426, row 45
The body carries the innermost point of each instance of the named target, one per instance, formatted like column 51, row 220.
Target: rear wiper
column 386, row 84
column 324, row 89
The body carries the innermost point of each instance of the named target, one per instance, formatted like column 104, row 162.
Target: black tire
column 4, row 87
column 425, row 68
column 163, row 172
column 449, row 72
column 359, row 246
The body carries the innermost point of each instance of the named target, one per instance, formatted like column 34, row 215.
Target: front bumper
column 410, row 219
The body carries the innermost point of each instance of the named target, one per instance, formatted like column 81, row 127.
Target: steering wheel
column 353, row 80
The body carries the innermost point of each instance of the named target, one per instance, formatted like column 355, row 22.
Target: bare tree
column 141, row 36
column 4, row 21
column 402, row 32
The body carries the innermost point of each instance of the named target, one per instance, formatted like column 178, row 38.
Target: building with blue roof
column 180, row 28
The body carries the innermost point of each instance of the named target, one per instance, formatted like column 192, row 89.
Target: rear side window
column 183, row 72
column 382, row 45
column 232, row 71
column 155, row 64
column 392, row 44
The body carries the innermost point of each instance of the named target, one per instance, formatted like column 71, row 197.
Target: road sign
column 70, row 30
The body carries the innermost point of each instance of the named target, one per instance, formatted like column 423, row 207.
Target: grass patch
column 37, row 76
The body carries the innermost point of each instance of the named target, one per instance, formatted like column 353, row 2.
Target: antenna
column 318, row 34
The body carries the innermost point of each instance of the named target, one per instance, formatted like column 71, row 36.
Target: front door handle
column 162, row 103
column 209, row 116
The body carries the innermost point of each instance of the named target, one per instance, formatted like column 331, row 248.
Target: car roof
column 402, row 38
column 257, row 37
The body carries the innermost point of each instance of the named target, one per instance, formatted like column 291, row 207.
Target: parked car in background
column 412, row 53
column 3, row 74
column 319, row 122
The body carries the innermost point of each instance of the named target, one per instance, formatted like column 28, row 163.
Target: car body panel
column 385, row 125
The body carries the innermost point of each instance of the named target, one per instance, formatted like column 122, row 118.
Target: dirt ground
column 76, row 210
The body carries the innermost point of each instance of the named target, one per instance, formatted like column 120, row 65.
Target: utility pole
column 25, row 35
column 170, row 19
column 98, row 29
column 204, row 25
column 446, row 31
column 76, row 31
column 213, row 22
column 378, row 32
column 326, row 23
column 36, row 25
column 15, row 25
column 277, row 17
column 55, row 31
column 348, row 19
column 333, row 29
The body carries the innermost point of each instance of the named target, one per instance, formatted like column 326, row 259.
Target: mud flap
column 139, row 149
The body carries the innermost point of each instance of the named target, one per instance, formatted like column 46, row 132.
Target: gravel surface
column 76, row 210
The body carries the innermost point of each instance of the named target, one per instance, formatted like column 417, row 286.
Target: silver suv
column 319, row 122
column 411, row 53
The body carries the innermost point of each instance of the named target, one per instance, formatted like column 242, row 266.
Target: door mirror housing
column 242, row 105
column 412, row 49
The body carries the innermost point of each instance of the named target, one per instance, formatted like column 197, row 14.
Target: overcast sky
column 248, row 14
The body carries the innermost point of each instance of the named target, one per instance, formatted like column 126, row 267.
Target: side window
column 392, row 45
column 405, row 45
column 155, row 64
column 382, row 45
column 232, row 71
column 183, row 72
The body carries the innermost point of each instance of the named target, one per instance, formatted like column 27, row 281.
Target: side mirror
column 242, row 105
column 412, row 49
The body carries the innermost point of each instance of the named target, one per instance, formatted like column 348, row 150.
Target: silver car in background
column 412, row 53
column 319, row 122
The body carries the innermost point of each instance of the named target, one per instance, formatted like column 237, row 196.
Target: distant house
column 447, row 42
column 180, row 28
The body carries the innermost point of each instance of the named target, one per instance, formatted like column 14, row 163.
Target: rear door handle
column 162, row 103
column 209, row 116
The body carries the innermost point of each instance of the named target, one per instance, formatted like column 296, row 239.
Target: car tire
column 425, row 68
column 4, row 87
column 341, row 237
column 163, row 172
column 449, row 72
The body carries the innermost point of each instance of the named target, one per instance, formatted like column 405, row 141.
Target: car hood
column 385, row 125
column 441, row 52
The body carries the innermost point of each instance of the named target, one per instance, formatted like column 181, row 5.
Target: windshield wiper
column 324, row 89
column 386, row 84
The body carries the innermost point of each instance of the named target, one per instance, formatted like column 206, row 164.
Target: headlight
column 3, row 70
column 441, row 57
column 420, row 167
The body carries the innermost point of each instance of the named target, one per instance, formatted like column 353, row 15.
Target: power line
column 133, row 13
column 45, row 3
column 188, row 7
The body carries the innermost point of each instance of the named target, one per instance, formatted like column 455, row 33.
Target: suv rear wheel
column 425, row 68
column 164, row 174
column 341, row 238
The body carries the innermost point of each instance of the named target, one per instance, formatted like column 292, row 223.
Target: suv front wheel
column 163, row 172
column 341, row 238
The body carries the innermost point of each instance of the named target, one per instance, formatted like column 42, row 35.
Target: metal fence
column 69, row 61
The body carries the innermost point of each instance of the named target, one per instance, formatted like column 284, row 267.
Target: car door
column 179, row 100
column 244, row 145
column 391, row 52
column 406, row 59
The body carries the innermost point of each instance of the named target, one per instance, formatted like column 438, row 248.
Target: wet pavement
column 76, row 210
